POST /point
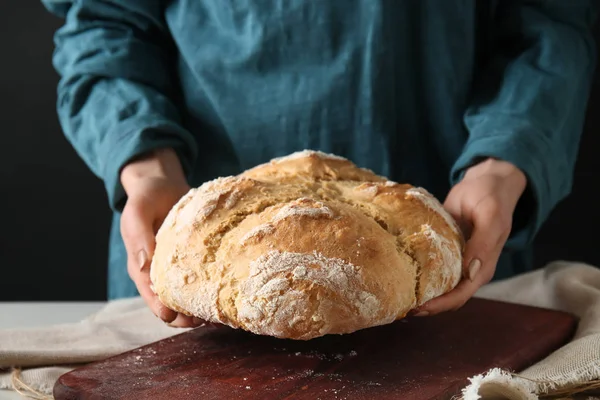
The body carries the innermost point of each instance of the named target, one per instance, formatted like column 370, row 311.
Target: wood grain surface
column 416, row 358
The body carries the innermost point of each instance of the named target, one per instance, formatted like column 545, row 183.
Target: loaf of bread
column 304, row 246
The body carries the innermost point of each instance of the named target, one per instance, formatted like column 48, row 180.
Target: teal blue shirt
column 415, row 90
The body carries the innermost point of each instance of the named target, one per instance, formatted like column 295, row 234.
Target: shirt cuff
column 545, row 172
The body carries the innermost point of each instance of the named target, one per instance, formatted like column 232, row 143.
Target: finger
column 142, row 282
column 481, row 254
column 138, row 236
column 490, row 231
column 137, row 230
column 452, row 205
column 183, row 321
column 457, row 297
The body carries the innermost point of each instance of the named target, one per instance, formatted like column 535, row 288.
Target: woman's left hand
column 483, row 204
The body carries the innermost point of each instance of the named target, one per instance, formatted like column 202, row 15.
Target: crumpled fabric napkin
column 561, row 285
column 46, row 353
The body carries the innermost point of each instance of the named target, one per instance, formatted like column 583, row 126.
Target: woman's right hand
column 153, row 183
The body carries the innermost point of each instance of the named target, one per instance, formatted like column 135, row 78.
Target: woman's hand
column 153, row 183
column 483, row 204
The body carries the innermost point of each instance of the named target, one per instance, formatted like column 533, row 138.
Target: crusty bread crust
column 304, row 246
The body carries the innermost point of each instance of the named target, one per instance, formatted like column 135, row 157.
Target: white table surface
column 34, row 314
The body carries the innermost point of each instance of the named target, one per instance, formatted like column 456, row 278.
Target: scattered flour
column 325, row 357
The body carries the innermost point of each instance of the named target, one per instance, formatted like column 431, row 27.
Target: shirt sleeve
column 115, row 97
column 529, row 103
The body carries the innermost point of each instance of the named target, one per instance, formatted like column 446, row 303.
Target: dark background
column 55, row 219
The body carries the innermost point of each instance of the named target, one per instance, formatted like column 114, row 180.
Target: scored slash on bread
column 304, row 246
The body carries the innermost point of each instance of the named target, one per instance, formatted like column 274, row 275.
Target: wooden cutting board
column 417, row 358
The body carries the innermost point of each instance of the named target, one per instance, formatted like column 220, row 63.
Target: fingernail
column 173, row 324
column 474, row 268
column 422, row 314
column 142, row 259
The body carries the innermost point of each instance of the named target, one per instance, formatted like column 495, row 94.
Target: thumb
column 486, row 240
column 138, row 234
column 454, row 206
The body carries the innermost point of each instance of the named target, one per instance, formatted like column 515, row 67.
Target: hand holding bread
column 483, row 203
column 304, row 246
column 153, row 183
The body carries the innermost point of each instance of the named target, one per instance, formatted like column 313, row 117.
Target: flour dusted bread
column 303, row 246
